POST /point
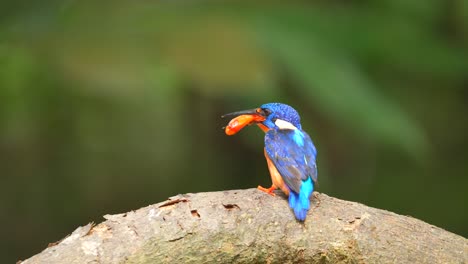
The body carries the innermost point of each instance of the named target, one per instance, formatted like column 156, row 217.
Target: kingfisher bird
column 289, row 152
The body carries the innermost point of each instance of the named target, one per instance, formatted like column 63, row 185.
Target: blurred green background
column 111, row 106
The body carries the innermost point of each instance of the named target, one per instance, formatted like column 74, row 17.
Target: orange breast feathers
column 276, row 176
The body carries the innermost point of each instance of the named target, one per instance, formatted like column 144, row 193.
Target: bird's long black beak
column 254, row 111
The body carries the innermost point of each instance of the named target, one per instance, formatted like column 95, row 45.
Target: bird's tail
column 300, row 202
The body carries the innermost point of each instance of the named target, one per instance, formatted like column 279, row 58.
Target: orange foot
column 269, row 190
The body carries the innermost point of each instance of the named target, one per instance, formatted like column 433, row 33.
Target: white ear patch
column 284, row 124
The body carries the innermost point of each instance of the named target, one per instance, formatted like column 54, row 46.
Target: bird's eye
column 266, row 111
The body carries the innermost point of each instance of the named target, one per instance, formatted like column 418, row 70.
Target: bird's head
column 267, row 116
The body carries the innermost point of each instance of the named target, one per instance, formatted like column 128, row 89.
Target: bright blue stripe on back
column 298, row 137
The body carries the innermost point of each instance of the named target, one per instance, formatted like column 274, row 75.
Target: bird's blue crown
column 283, row 112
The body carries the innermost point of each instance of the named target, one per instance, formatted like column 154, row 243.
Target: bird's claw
column 268, row 190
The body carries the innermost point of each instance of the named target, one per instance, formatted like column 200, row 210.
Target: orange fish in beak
column 237, row 123
column 243, row 119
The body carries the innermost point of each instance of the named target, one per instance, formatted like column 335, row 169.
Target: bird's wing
column 293, row 154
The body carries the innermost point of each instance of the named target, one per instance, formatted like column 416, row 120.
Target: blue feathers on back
column 298, row 137
column 293, row 154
